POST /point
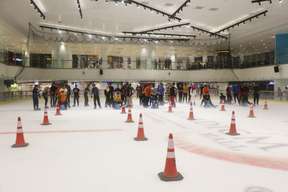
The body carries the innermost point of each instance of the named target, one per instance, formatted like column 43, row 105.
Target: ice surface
column 91, row 150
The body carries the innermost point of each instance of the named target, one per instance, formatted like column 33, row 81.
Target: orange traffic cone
column 170, row 108
column 45, row 118
column 191, row 115
column 140, row 134
column 232, row 130
column 222, row 106
column 170, row 172
column 58, row 110
column 251, row 112
column 129, row 117
column 20, row 141
column 123, row 111
column 265, row 105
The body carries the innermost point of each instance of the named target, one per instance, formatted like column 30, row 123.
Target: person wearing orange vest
column 147, row 94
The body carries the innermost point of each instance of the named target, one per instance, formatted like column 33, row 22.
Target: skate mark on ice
column 257, row 189
column 240, row 158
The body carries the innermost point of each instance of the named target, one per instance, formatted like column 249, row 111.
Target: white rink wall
column 208, row 75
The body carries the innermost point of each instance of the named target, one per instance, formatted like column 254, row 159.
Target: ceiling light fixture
column 110, row 37
column 208, row 32
column 38, row 9
column 260, row 1
column 181, row 8
column 79, row 9
column 159, row 28
column 152, row 9
column 162, row 34
column 243, row 21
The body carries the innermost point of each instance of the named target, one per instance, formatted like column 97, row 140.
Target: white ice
column 101, row 154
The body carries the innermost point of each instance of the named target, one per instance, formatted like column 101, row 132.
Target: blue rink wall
column 281, row 48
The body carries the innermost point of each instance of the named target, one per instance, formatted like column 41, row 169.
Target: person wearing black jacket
column 86, row 97
column 95, row 95
column 256, row 95
column 53, row 97
column 35, row 97
column 76, row 93
column 68, row 95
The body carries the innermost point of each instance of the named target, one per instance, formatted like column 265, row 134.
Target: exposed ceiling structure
column 251, row 26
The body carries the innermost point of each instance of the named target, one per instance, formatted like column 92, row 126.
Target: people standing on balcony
column 236, row 93
column 53, row 93
column 86, row 96
column 68, row 91
column 45, row 94
column 76, row 94
column 35, row 97
column 256, row 95
column 96, row 98
column 229, row 94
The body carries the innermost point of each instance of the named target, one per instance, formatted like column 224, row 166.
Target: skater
column 130, row 92
column 76, row 93
column 95, row 95
column 147, row 95
column 160, row 93
column 256, row 95
column 206, row 99
column 86, row 98
column 45, row 94
column 180, row 92
column 53, row 97
column 68, row 90
column 229, row 94
column 172, row 95
column 185, row 92
column 236, row 93
column 35, row 97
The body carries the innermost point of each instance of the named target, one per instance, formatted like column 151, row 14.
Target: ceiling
column 112, row 18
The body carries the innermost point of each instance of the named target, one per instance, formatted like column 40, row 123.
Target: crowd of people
column 149, row 94
column 239, row 93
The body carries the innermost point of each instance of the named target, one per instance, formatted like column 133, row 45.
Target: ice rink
column 91, row 150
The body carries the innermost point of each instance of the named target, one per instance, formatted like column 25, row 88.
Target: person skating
column 172, row 95
column 236, row 93
column 45, row 94
column 68, row 95
column 229, row 94
column 53, row 97
column 76, row 93
column 95, row 95
column 256, row 95
column 130, row 92
column 160, row 92
column 86, row 97
column 35, row 97
column 186, row 90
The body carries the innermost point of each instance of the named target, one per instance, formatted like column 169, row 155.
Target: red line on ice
column 258, row 161
column 63, row 131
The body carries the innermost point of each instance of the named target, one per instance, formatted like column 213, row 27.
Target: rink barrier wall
column 208, row 75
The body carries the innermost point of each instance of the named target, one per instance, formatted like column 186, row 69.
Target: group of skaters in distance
column 150, row 95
